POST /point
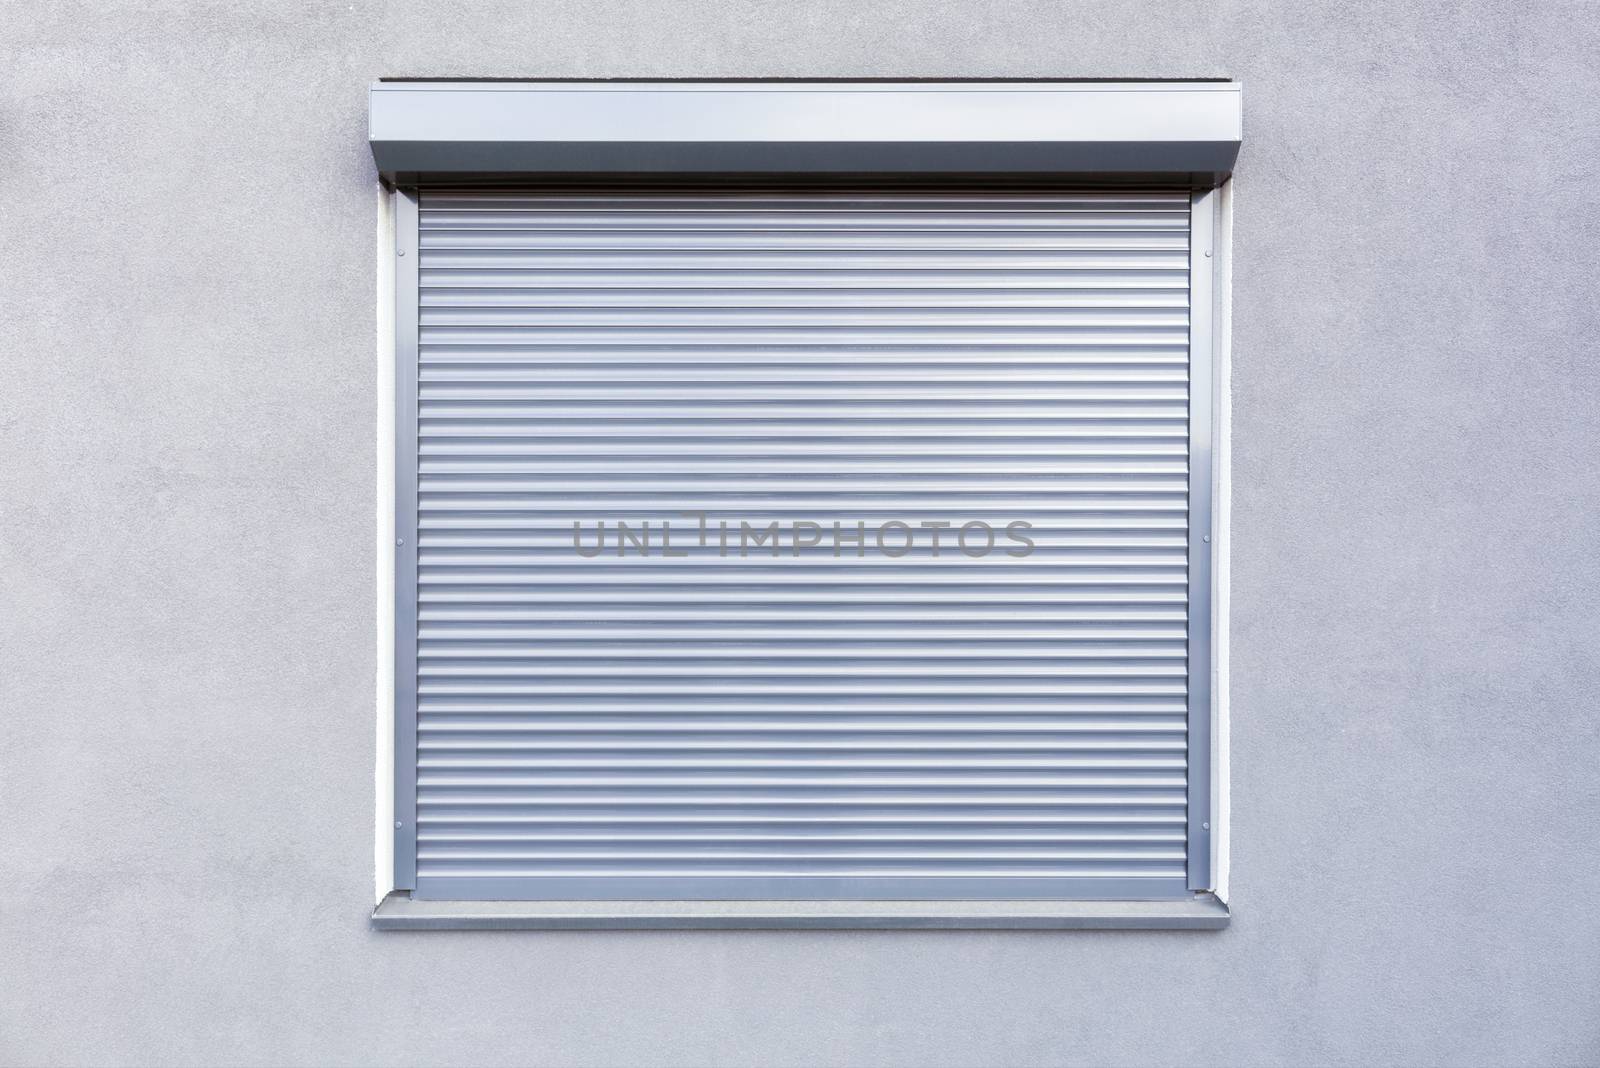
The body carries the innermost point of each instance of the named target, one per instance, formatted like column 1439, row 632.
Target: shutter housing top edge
column 1062, row 128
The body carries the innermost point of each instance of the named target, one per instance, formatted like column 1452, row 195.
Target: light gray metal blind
column 817, row 723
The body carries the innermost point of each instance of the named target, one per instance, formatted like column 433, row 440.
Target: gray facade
column 188, row 472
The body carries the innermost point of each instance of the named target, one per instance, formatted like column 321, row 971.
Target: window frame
column 1208, row 234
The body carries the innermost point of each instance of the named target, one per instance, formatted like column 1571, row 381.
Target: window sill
column 399, row 912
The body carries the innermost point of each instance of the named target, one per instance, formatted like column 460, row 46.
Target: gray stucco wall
column 187, row 217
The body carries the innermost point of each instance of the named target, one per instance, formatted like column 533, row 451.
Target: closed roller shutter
column 827, row 722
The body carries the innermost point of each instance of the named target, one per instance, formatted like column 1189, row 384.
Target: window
column 803, row 538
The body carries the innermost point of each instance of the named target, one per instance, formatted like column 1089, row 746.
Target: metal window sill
column 400, row 912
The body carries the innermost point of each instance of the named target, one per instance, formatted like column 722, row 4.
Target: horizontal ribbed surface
column 805, row 724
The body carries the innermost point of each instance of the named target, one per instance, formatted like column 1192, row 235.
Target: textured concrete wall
column 186, row 554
